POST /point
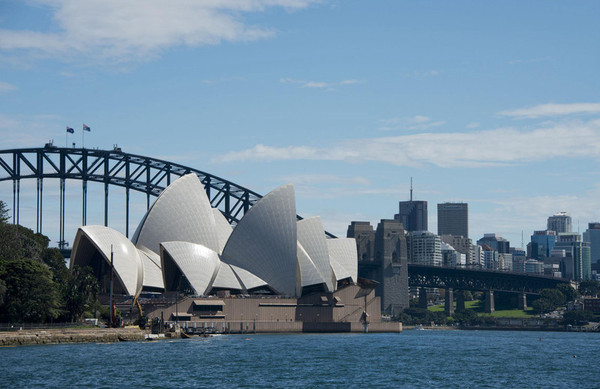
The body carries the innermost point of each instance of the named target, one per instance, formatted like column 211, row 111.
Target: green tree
column 577, row 317
column 80, row 292
column 568, row 291
column 31, row 294
column 554, row 296
column 589, row 288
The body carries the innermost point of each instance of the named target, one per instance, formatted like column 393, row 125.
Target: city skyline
column 494, row 105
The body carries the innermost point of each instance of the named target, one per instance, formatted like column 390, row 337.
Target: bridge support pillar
column 489, row 301
column 522, row 299
column 449, row 304
column 422, row 298
column 460, row 301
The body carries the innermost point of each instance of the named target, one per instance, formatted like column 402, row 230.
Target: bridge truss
column 479, row 280
column 112, row 168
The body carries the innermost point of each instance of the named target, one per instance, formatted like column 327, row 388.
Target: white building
column 424, row 248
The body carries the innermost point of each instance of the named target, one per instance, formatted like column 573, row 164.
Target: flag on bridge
column 86, row 128
column 70, row 130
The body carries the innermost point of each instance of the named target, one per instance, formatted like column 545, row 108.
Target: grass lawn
column 478, row 307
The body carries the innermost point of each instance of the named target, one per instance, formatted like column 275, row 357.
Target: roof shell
column 182, row 212
column 198, row 263
column 264, row 241
column 311, row 236
column 226, row 278
column 309, row 275
column 127, row 263
column 152, row 276
column 344, row 258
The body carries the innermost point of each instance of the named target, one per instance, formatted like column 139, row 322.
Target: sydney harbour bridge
column 150, row 176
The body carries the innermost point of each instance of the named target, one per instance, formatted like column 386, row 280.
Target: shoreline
column 59, row 336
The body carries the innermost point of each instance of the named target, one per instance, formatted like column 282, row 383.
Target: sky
column 496, row 104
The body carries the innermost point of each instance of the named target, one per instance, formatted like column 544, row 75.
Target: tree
column 577, row 317
column 80, row 292
column 569, row 292
column 3, row 212
column 589, row 288
column 554, row 296
column 31, row 294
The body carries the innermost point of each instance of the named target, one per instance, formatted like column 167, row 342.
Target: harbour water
column 460, row 359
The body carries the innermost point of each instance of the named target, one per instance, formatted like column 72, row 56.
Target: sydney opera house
column 270, row 266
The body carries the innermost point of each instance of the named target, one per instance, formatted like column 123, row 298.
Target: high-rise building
column 412, row 214
column 424, row 248
column 496, row 242
column 560, row 222
column 453, row 219
column 461, row 244
column 542, row 243
column 592, row 235
column 576, row 262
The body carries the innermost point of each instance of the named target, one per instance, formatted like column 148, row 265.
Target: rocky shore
column 94, row 335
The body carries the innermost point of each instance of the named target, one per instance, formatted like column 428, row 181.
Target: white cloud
column 473, row 125
column 139, row 29
column 317, row 84
column 417, row 122
column 6, row 87
column 552, row 110
column 572, row 139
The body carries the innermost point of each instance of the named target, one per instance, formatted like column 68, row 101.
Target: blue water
column 459, row 359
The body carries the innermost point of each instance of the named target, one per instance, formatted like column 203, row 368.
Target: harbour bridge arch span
column 112, row 168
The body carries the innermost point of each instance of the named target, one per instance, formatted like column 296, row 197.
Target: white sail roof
column 226, row 278
column 182, row 212
column 222, row 228
column 309, row 275
column 153, row 277
column 344, row 258
column 311, row 236
column 127, row 263
column 247, row 279
column 197, row 263
column 264, row 241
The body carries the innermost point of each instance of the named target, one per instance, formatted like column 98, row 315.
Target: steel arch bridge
column 112, row 168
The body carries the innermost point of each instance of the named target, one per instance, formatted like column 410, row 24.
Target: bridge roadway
column 453, row 278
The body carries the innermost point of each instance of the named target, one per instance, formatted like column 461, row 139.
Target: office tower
column 424, row 248
column 453, row 219
column 560, row 222
column 461, row 244
column 496, row 242
column 412, row 214
column 542, row 243
column 576, row 262
column 592, row 235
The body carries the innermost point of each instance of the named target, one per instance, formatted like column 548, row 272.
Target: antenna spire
column 411, row 189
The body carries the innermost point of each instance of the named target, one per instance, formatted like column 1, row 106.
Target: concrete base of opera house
column 341, row 311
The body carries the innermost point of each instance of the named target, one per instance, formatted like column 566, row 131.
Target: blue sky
column 494, row 104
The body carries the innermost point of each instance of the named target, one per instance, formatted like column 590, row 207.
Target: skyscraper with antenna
column 412, row 214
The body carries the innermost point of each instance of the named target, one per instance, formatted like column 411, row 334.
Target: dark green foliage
column 568, row 291
column 468, row 317
column 577, row 317
column 589, row 288
column 31, row 294
column 549, row 300
column 35, row 283
column 413, row 316
column 80, row 293
column 2, row 291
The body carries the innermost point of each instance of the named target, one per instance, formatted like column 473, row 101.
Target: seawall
column 94, row 335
